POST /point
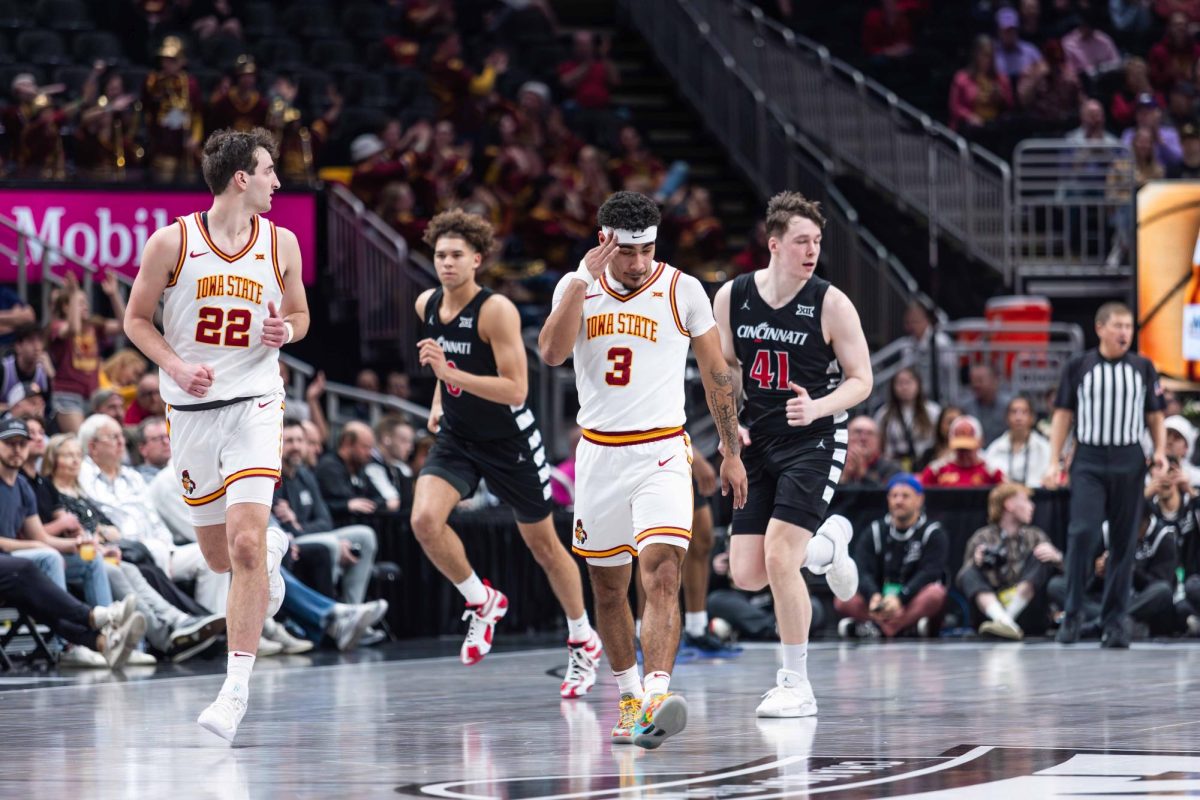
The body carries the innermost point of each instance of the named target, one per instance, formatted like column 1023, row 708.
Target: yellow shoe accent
column 629, row 709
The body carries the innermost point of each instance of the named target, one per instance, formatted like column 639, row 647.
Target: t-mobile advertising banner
column 110, row 228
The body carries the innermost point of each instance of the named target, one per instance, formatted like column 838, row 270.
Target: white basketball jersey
column 213, row 312
column 631, row 352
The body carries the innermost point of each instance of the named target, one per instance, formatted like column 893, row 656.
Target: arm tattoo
column 722, row 404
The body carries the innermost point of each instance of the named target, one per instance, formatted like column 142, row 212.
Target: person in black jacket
column 300, row 507
column 901, row 563
column 351, row 497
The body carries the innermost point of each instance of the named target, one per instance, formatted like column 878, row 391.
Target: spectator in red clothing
column 965, row 467
column 887, row 31
column 75, row 339
column 1172, row 58
column 979, row 94
column 1189, row 8
column 1049, row 90
column 147, row 402
column 701, row 235
column 635, row 159
column 589, row 75
column 1123, row 108
column 755, row 254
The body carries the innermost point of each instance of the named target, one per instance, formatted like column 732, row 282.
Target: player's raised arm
column 558, row 335
column 160, row 259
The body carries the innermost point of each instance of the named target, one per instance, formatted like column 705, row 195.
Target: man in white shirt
column 1021, row 453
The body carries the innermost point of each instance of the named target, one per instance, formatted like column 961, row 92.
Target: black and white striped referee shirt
column 1109, row 397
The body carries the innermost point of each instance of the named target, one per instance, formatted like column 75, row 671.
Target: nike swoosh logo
column 264, row 405
column 197, row 255
column 590, row 296
column 664, row 463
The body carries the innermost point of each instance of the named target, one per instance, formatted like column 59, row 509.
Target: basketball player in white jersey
column 629, row 320
column 232, row 295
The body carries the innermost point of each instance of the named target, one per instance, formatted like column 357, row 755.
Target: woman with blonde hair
column 121, row 372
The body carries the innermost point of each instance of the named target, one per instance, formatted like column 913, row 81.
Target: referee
column 1112, row 396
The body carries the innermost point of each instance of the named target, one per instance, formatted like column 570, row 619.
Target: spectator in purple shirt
column 1013, row 55
column 1168, row 150
column 1089, row 49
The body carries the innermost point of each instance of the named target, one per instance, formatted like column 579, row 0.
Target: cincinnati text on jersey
column 630, row 324
column 764, row 332
column 454, row 348
column 229, row 285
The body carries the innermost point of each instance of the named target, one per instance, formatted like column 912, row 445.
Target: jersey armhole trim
column 275, row 256
column 182, row 252
column 675, row 306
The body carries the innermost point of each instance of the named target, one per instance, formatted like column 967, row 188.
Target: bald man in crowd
column 341, row 475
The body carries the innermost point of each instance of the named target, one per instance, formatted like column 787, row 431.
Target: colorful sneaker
column 483, row 619
column 630, row 708
column 664, row 716
column 582, row 660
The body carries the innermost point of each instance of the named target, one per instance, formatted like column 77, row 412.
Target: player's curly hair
column 785, row 205
column 471, row 228
column 632, row 211
column 228, row 151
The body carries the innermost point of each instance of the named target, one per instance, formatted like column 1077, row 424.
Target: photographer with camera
column 901, row 560
column 1007, row 563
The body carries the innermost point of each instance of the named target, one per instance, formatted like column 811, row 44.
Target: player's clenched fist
column 195, row 379
column 275, row 332
column 430, row 354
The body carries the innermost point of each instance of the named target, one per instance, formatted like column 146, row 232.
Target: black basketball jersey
column 463, row 413
column 777, row 346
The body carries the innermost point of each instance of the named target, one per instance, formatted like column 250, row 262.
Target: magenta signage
column 110, row 228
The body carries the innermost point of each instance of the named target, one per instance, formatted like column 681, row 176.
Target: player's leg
column 784, row 548
column 614, row 623
column 661, row 566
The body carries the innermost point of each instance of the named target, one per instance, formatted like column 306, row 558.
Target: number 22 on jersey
column 221, row 327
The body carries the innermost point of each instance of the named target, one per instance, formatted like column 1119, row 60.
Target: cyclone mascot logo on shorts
column 189, row 485
column 580, row 533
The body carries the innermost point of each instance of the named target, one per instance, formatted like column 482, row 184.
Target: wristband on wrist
column 582, row 274
column 291, row 333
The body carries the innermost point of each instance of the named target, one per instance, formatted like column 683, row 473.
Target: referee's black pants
column 1106, row 484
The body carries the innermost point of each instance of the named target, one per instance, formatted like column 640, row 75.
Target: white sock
column 657, row 683
column 473, row 590
column 629, row 681
column 238, row 667
column 695, row 623
column 579, row 630
column 795, row 659
column 637, row 628
column 819, row 553
column 1016, row 606
column 996, row 612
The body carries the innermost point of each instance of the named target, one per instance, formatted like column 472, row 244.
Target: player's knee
column 247, row 551
column 748, row 577
column 662, row 578
column 425, row 525
column 781, row 561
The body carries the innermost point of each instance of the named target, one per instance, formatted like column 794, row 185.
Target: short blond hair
column 1000, row 495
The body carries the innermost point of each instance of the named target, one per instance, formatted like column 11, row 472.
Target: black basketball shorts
column 791, row 478
column 514, row 469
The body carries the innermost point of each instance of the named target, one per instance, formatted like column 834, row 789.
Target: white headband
column 624, row 236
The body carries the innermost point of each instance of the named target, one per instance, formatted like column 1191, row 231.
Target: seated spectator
column 965, row 467
column 920, row 341
column 1007, row 563
column 1049, row 89
column 27, row 362
column 397, row 385
column 755, row 254
column 316, row 443
column 108, row 403
column 1181, row 438
column 980, row 93
column 1133, row 22
column 1148, row 148
column 26, row 401
column 154, row 447
column 1173, row 57
column 389, row 470
column 887, row 33
column 907, row 419
column 1091, row 126
column 1126, row 99
column 75, row 340
column 1189, row 167
column 900, row 560
column 986, row 403
column 105, row 636
column 1021, row 453
column 865, row 465
column 1014, row 56
column 121, row 372
column 1181, row 104
column 147, row 402
column 1090, row 50
column 588, row 78
column 941, row 442
column 300, row 508
column 634, row 159
column 341, row 476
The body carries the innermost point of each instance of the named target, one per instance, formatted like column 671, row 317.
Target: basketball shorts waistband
column 626, row 438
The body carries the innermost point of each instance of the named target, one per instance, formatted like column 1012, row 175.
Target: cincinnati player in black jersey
column 473, row 344
column 804, row 362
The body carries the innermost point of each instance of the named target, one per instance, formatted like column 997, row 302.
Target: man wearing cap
column 1167, row 148
column 239, row 106
column 174, row 114
column 900, row 560
column 26, row 400
column 1013, row 55
column 965, row 468
column 25, row 362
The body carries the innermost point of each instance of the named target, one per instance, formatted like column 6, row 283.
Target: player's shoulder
column 167, row 242
column 284, row 235
column 423, row 300
column 498, row 309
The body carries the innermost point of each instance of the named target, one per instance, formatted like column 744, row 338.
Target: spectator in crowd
column 106, row 138
column 398, row 386
column 1163, row 138
column 921, row 340
column 25, row 401
column 1007, row 563
column 887, row 33
column 1173, row 57
column 980, row 93
column 589, row 77
column 986, row 403
column 1014, row 56
column 1181, row 104
column 27, row 362
column 121, row 372
column 154, row 447
column 1089, row 49
column 865, row 465
column 306, row 407
column 341, row 475
column 900, row 560
column 1136, row 86
column 1181, row 438
column 108, row 403
column 907, row 419
column 1189, row 167
column 941, row 442
column 1091, row 126
column 389, row 470
column 965, row 467
column 1148, row 164
column 634, row 159
column 756, row 253
column 238, row 103
column 174, row 109
column 300, row 508
column 75, row 341
column 16, row 316
column 1020, row 453
column 147, row 402
column 1049, row 89
column 1030, row 26
column 316, row 443
column 1132, row 21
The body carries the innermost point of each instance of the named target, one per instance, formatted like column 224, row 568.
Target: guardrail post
column 22, row 270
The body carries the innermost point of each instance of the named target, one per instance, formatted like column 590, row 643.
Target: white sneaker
column 791, row 697
column 842, row 574
column 582, row 660
column 223, row 716
column 278, row 634
column 277, row 547
column 137, row 658
column 483, row 619
column 349, row 623
column 120, row 640
column 117, row 613
column 379, row 609
column 78, row 656
column 1002, row 630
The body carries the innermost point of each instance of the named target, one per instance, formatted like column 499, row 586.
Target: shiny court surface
column 927, row 720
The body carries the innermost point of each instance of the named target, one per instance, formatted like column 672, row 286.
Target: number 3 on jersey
column 220, row 327
column 622, row 360
column 760, row 370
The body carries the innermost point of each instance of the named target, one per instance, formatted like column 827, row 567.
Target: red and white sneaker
column 483, row 619
column 582, row 660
